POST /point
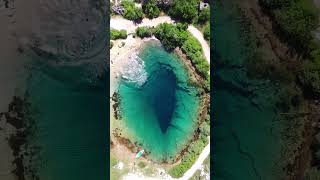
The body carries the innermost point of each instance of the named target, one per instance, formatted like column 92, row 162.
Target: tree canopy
column 151, row 9
column 184, row 10
column 131, row 12
column 204, row 16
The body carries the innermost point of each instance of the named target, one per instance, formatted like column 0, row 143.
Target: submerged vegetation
column 295, row 23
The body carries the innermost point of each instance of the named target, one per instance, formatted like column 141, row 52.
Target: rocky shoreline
column 203, row 112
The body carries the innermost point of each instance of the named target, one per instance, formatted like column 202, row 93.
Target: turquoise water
column 71, row 119
column 161, row 111
column 245, row 134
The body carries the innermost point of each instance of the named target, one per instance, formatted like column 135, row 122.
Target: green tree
column 131, row 12
column 151, row 9
column 170, row 35
column 144, row 32
column 206, row 32
column 204, row 16
column 184, row 10
column 193, row 50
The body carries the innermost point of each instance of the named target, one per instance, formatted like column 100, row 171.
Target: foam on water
column 133, row 71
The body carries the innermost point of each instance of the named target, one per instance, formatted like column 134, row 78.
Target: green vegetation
column 151, row 9
column 193, row 152
column 204, row 16
column 131, row 12
column 310, row 77
column 206, row 32
column 193, row 50
column 295, row 20
column 183, row 10
column 143, row 32
column 116, row 34
column 171, row 36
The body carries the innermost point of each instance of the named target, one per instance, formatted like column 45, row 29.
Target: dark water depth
column 160, row 113
column 246, row 137
column 57, row 50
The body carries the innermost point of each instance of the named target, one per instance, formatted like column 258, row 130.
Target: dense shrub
column 131, row 12
column 144, row 32
column 184, row 10
column 171, row 36
column 193, row 50
column 204, row 16
column 116, row 34
column 188, row 159
column 206, row 32
column 310, row 78
column 151, row 9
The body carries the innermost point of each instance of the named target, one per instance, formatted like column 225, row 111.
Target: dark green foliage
column 310, row 78
column 295, row 20
column 144, row 32
column 116, row 34
column 171, row 36
column 131, row 12
column 204, row 16
column 188, row 159
column 206, row 32
column 151, row 9
column 193, row 50
column 184, row 10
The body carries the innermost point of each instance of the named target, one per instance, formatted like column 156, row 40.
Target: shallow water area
column 160, row 109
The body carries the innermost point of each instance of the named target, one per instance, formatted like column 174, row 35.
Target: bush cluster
column 131, row 12
column 184, row 10
column 143, row 32
column 193, row 50
column 204, row 16
column 171, row 36
column 194, row 151
column 206, row 32
column 151, row 9
column 116, row 34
